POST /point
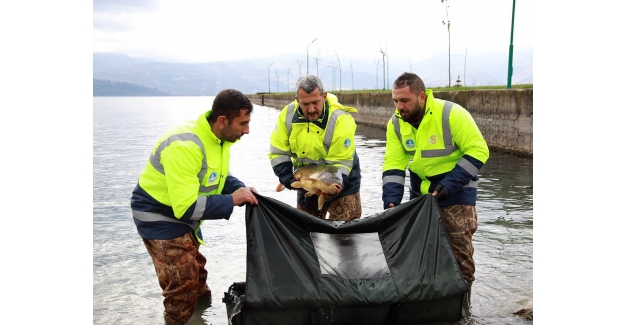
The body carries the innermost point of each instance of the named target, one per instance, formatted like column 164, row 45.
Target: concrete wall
column 505, row 117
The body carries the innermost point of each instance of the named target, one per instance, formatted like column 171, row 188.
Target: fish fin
column 321, row 200
column 309, row 194
column 297, row 184
column 280, row 187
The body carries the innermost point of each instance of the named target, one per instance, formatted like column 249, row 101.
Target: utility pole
column 340, row 73
column 383, row 68
column 510, row 54
column 448, row 40
column 465, row 66
column 269, row 80
column 317, row 64
column 388, row 80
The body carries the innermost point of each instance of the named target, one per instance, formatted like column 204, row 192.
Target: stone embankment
column 505, row 116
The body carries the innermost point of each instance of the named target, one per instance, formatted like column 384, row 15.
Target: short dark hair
column 229, row 103
column 411, row 80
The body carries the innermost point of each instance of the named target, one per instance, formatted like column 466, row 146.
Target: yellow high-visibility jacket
column 184, row 182
column 447, row 148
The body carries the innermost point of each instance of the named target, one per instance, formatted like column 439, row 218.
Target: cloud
column 205, row 31
column 125, row 5
column 107, row 22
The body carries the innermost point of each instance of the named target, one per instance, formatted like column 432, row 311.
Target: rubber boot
column 173, row 323
column 170, row 323
column 466, row 302
column 206, row 297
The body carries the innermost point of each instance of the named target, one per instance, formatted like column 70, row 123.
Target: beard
column 230, row 135
column 412, row 115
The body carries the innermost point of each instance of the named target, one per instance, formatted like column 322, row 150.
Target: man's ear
column 422, row 97
column 222, row 121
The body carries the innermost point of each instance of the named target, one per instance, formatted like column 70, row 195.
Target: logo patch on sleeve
column 347, row 143
column 409, row 143
column 212, row 177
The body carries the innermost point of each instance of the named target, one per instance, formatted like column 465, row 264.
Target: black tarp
column 395, row 267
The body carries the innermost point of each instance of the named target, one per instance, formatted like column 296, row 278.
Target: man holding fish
column 313, row 151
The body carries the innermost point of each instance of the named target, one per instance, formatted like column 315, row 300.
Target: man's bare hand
column 244, row 195
column 252, row 188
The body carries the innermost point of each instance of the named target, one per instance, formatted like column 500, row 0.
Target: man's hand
column 244, row 195
column 252, row 188
column 441, row 193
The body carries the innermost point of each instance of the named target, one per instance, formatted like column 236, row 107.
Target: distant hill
column 116, row 88
column 107, row 61
column 255, row 75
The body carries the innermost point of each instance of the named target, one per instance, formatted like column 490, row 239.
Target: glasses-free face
column 408, row 103
column 235, row 129
column 311, row 104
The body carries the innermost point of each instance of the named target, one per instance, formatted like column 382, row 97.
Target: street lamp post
column 307, row 54
column 509, row 85
column 269, row 80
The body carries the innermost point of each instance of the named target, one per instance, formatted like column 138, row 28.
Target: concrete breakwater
column 504, row 116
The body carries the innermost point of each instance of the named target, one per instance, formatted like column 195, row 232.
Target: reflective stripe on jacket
column 447, row 147
column 182, row 182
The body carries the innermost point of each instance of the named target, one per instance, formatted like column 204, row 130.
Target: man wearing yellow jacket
column 316, row 129
column 186, row 181
column 447, row 151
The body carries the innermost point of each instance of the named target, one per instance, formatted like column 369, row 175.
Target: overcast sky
column 203, row 31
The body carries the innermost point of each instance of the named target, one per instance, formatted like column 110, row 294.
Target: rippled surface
column 125, row 287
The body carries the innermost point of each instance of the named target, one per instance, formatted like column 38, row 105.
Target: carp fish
column 320, row 180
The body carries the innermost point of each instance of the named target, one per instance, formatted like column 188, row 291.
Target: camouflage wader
column 181, row 274
column 461, row 223
column 343, row 209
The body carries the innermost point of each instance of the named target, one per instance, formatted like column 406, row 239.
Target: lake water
column 125, row 287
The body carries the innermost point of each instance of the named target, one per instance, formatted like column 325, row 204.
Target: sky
column 205, row 31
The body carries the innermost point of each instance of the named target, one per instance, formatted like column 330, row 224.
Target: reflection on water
column 125, row 287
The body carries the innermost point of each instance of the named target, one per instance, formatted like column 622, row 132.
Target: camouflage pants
column 343, row 209
column 461, row 223
column 181, row 274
